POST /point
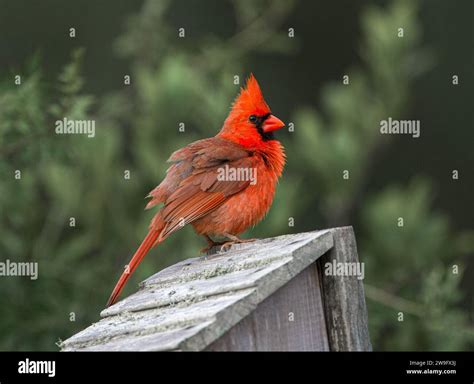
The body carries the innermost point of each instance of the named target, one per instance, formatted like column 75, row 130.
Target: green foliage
column 408, row 268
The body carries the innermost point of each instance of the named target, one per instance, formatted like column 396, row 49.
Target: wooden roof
column 189, row 305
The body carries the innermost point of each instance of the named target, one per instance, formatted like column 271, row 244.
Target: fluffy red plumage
column 195, row 192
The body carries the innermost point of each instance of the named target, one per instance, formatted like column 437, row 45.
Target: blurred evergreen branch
column 413, row 261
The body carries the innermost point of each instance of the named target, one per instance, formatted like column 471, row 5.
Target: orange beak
column 272, row 123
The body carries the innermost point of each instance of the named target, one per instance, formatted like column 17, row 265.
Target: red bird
column 221, row 185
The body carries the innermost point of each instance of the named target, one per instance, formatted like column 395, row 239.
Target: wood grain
column 344, row 298
column 292, row 319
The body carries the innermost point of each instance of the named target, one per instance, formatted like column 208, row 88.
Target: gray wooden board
column 169, row 319
column 194, row 290
column 161, row 341
column 239, row 257
column 344, row 298
column 169, row 310
column 292, row 319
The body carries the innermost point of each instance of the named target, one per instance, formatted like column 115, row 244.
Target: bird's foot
column 210, row 244
column 224, row 245
column 208, row 248
column 233, row 240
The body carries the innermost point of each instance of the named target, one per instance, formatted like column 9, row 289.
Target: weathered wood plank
column 240, row 257
column 292, row 319
column 194, row 290
column 344, row 298
column 173, row 318
column 163, row 341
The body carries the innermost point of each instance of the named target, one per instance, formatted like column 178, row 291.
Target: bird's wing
column 192, row 187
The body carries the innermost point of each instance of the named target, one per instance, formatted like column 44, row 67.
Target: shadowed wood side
column 291, row 319
column 344, row 297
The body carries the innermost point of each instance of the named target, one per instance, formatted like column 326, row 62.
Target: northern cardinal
column 197, row 191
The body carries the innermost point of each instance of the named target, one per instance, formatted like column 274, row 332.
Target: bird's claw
column 228, row 244
column 225, row 245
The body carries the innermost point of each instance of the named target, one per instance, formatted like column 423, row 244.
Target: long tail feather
column 141, row 252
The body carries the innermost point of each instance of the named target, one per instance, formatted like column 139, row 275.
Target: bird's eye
column 253, row 118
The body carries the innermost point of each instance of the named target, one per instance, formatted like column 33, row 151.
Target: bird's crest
column 250, row 99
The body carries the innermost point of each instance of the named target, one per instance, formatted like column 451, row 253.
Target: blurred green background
column 409, row 269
